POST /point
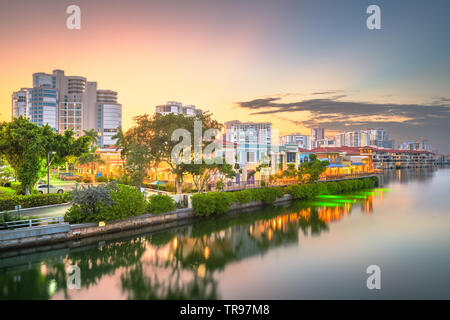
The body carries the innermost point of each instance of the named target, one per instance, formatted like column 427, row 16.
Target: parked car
column 42, row 188
column 68, row 176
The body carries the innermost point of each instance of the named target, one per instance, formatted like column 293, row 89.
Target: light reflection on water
column 315, row 249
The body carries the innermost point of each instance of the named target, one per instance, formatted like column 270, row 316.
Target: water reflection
column 408, row 175
column 180, row 263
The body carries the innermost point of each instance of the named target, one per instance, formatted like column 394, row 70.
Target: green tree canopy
column 310, row 171
column 25, row 147
column 150, row 142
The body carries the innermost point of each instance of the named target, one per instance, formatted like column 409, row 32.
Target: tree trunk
column 179, row 185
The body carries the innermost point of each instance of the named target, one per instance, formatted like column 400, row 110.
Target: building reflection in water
column 181, row 263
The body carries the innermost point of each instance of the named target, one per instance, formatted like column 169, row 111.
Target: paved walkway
column 45, row 212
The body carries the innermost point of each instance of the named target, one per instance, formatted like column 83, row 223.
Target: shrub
column 243, row 196
column 160, row 203
column 224, row 200
column 295, row 191
column 127, row 202
column 101, row 179
column 105, row 202
column 203, row 204
column 269, row 195
column 376, row 181
column 75, row 214
column 321, row 188
column 33, row 200
column 332, row 187
column 92, row 198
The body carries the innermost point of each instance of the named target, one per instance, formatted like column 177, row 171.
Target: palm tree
column 91, row 159
column 93, row 135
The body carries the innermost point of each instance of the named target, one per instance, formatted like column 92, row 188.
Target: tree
column 25, row 147
column 91, row 159
column 153, row 135
column 291, row 171
column 202, row 173
column 93, row 136
column 310, row 171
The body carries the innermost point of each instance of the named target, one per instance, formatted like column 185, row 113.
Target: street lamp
column 48, row 169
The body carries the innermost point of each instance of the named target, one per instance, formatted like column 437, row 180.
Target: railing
column 31, row 222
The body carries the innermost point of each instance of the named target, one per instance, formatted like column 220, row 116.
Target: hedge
column 160, row 203
column 33, row 200
column 205, row 204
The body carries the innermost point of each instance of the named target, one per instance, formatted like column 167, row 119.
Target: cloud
column 403, row 121
column 327, row 92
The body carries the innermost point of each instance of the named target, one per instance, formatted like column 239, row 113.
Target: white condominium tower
column 177, row 108
column 248, row 132
column 363, row 138
column 69, row 103
column 303, row 141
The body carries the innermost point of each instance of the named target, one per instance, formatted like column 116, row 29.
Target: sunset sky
column 296, row 63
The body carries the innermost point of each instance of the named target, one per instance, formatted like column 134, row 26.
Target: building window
column 290, row 157
column 250, row 157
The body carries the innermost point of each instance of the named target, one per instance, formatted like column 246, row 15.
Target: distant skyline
column 298, row 64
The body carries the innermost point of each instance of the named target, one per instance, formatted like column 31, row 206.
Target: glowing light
column 175, row 243
column 52, row 286
column 206, row 252
column 327, row 204
column 329, row 196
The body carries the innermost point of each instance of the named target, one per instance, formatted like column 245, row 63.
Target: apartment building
column 396, row 159
column 363, row 138
column 178, row 108
column 419, row 145
column 301, row 140
column 317, row 134
column 69, row 103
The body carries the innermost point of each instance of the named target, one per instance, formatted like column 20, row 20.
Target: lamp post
column 48, row 170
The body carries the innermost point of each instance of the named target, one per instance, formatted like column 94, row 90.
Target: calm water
column 319, row 249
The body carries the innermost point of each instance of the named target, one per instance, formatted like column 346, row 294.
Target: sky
column 298, row 64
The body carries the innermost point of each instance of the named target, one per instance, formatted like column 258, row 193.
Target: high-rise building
column 20, row 101
column 69, row 103
column 248, row 132
column 303, row 141
column 177, row 108
column 109, row 115
column 317, row 134
column 363, row 138
column 418, row 145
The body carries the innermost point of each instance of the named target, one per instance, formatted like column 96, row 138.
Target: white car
column 42, row 188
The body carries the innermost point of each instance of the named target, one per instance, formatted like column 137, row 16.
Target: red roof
column 355, row 150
